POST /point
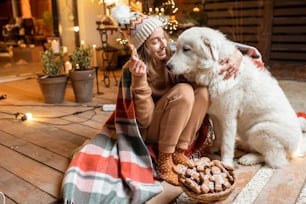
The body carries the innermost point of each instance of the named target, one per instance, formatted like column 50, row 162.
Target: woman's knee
column 184, row 93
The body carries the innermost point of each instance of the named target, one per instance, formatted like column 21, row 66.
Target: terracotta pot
column 53, row 88
column 82, row 84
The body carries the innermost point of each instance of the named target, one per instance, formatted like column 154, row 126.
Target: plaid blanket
column 116, row 165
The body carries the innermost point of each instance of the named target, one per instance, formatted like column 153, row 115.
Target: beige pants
column 177, row 117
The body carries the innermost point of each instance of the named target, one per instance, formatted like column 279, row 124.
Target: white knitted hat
column 138, row 26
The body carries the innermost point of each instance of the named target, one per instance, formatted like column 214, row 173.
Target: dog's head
column 199, row 49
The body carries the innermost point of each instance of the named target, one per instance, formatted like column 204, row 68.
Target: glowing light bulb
column 29, row 116
column 76, row 28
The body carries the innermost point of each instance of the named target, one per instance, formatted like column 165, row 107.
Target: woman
column 169, row 113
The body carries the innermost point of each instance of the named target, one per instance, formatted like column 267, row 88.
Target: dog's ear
column 207, row 55
column 210, row 46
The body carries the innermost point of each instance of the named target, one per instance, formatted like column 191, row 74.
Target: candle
column 55, row 46
column 68, row 67
column 65, row 49
column 94, row 56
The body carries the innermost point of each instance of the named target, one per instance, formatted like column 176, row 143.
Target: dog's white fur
column 251, row 106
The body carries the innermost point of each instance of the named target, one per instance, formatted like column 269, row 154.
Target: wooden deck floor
column 34, row 154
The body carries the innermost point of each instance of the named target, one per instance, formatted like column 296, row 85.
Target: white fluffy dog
column 251, row 106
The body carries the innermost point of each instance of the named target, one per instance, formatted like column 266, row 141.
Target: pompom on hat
column 137, row 26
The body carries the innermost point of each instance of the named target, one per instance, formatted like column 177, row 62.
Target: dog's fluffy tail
column 301, row 152
column 302, row 145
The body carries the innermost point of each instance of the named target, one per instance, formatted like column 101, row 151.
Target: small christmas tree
column 80, row 58
column 52, row 63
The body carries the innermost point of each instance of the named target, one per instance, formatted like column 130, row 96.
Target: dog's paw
column 250, row 159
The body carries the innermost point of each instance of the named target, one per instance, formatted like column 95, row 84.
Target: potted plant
column 52, row 82
column 82, row 75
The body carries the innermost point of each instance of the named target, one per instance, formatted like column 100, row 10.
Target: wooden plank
column 282, row 65
column 31, row 171
column 235, row 13
column 299, row 38
column 288, row 47
column 17, row 88
column 293, row 67
column 234, row 4
column 249, row 39
column 289, row 21
column 98, row 124
column 37, row 153
column 295, row 11
column 9, row 201
column 289, row 56
column 286, row 71
column 17, row 190
column 288, row 3
column 285, row 184
column 86, row 132
column 27, row 91
column 244, row 175
column 289, row 29
column 235, row 21
column 244, row 30
column 51, row 138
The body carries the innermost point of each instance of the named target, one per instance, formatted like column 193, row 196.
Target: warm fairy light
column 29, row 116
column 196, row 9
column 76, row 28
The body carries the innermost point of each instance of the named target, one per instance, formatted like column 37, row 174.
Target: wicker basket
column 210, row 197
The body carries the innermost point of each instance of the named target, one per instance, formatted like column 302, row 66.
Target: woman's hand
column 137, row 67
column 232, row 64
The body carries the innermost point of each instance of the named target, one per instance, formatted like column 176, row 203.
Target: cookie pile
column 206, row 176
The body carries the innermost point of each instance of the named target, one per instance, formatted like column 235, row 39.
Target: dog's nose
column 169, row 66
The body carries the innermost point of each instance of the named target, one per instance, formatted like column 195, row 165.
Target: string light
column 20, row 116
column 29, row 116
column 76, row 29
column 166, row 14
